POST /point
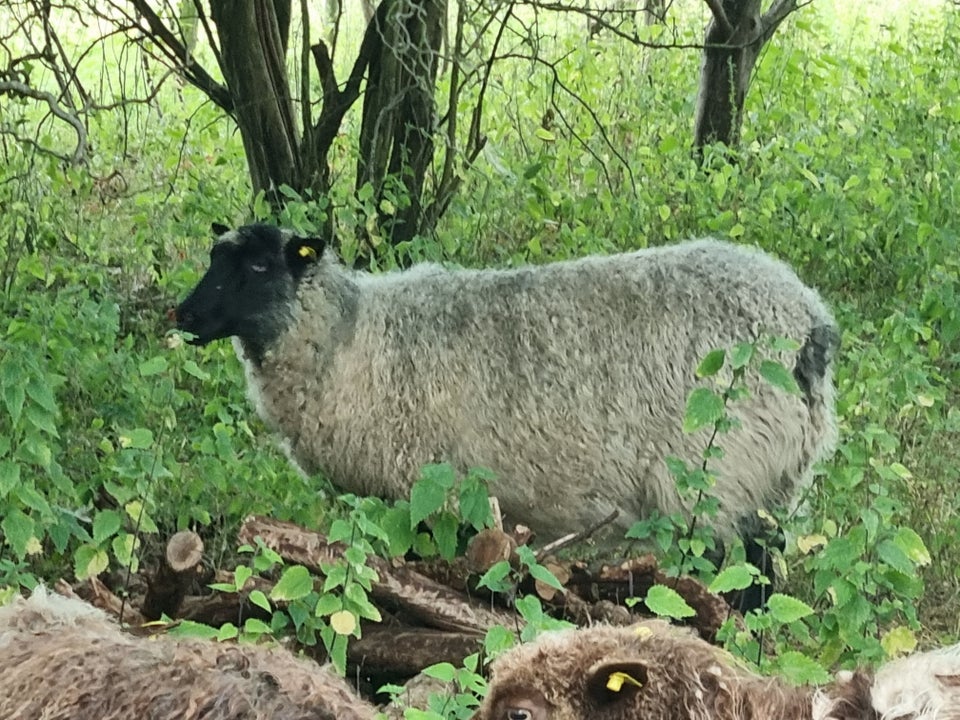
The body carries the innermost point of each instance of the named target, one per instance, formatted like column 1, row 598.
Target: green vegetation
column 114, row 433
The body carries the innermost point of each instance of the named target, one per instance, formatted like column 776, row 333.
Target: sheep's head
column 253, row 276
column 648, row 672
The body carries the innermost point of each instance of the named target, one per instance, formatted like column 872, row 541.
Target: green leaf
column 539, row 572
column 105, row 525
column 191, row 368
column 295, row 583
column 89, row 561
column 255, row 626
column 241, row 574
column 227, row 631
column 778, row 376
column 41, row 419
column 18, row 530
column 154, row 366
column 786, row 609
column 445, row 533
column 444, row 672
column 898, row 641
column 735, row 577
column 141, row 518
column 138, row 438
column 704, row 409
column 399, row 529
column 430, row 492
column 741, row 355
column 494, row 577
column 475, row 502
column 258, row 598
column 711, row 363
column 914, row 547
column 42, row 395
column 667, row 602
column 895, row 557
column 13, row 398
column 801, row 670
column 328, row 604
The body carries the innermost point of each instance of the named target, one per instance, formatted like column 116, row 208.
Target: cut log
column 405, row 651
column 398, row 588
column 175, row 575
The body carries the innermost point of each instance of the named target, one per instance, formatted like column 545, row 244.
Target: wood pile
column 432, row 610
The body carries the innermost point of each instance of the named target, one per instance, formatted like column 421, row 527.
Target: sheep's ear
column 218, row 229
column 303, row 252
column 612, row 681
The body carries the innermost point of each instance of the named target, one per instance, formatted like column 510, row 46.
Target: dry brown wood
column 99, row 595
column 398, row 587
column 406, row 650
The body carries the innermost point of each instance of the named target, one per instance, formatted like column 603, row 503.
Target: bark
column 734, row 38
column 399, row 113
column 406, row 651
column 253, row 43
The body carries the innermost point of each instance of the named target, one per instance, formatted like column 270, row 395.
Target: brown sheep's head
column 650, row 672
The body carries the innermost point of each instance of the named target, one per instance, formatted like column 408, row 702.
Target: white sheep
column 568, row 380
column 653, row 671
column 62, row 659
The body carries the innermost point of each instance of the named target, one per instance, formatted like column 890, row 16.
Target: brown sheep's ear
column 610, row 681
column 218, row 229
column 303, row 252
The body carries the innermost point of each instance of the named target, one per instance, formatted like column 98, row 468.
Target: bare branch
column 776, row 14
column 22, row 90
column 177, row 53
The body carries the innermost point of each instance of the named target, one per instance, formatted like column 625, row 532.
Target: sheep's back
column 568, row 380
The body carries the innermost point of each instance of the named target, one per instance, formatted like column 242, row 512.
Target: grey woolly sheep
column 62, row 659
column 653, row 671
column 568, row 380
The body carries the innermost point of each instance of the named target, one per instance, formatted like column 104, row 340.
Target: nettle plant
column 688, row 543
column 327, row 608
column 858, row 569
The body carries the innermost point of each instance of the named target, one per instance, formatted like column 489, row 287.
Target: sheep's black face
column 253, row 276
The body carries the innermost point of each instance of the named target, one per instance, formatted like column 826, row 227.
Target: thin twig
column 572, row 538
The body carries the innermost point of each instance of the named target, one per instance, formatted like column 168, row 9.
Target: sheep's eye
column 518, row 714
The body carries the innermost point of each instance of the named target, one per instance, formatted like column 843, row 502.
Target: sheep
column 568, row 380
column 62, row 659
column 653, row 671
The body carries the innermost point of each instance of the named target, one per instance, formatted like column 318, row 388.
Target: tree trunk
column 253, row 42
column 734, row 38
column 399, row 114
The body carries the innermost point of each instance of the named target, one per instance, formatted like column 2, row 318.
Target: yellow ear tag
column 306, row 251
column 617, row 680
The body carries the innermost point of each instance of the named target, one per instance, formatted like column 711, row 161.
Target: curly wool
column 62, row 659
column 564, row 676
column 568, row 380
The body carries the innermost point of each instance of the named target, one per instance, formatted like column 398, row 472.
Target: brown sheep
column 61, row 659
column 653, row 671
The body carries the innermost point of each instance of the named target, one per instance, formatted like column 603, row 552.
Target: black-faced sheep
column 61, row 659
column 654, row 671
column 568, row 380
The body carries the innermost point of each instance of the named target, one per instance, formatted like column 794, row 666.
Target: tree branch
column 23, row 90
column 177, row 53
column 720, row 17
column 775, row 15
